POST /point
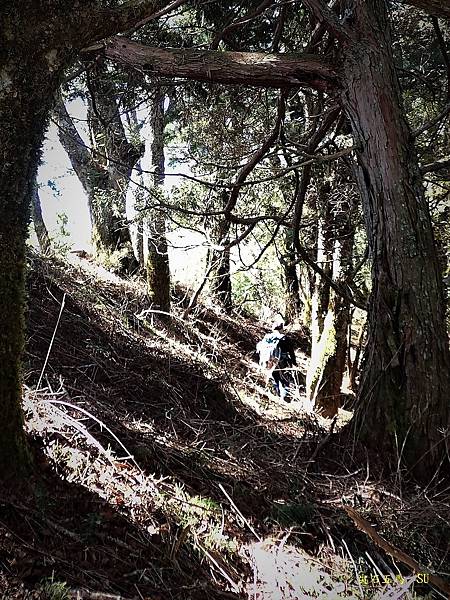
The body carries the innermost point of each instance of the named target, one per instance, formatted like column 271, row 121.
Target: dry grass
column 166, row 470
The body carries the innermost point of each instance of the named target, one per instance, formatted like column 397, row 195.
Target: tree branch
column 246, row 68
column 439, row 117
column 80, row 157
column 303, row 253
column 256, row 157
column 439, row 165
column 324, row 14
column 443, row 49
column 314, row 141
column 98, row 24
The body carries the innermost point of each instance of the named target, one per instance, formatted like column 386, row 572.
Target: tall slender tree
column 155, row 255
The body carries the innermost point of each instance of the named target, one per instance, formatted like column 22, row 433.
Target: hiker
column 276, row 354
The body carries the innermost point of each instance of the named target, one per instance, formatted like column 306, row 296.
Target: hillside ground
column 165, row 468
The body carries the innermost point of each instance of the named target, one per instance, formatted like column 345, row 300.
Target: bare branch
column 315, row 140
column 443, row 49
column 320, row 29
column 246, row 68
column 304, row 256
column 439, row 165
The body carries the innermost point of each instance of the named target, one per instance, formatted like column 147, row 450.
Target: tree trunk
column 321, row 292
column 117, row 156
column 403, row 398
column 104, row 173
column 37, row 41
column 354, row 366
column 38, row 221
column 219, row 262
column 293, row 304
column 156, row 256
column 24, row 104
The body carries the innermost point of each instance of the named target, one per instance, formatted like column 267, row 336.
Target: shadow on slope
column 175, row 396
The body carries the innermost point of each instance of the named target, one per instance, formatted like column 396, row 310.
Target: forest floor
column 165, row 469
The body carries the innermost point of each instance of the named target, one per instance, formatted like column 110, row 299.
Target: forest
column 227, row 373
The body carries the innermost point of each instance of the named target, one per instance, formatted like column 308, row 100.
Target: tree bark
column 156, row 257
column 293, row 304
column 38, row 221
column 321, row 291
column 25, row 96
column 219, row 262
column 333, row 343
column 246, row 68
column 403, row 398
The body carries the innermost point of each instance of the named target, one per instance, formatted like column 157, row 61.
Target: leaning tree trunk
column 403, row 397
column 104, row 173
column 38, row 221
column 117, row 156
column 156, row 257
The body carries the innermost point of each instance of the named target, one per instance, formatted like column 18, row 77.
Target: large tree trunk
column 24, row 104
column 403, row 398
column 117, row 156
column 37, row 40
column 156, row 257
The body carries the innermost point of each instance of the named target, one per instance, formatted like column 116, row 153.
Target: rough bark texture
column 156, row 257
column 27, row 82
column 247, row 68
column 38, row 221
column 403, row 397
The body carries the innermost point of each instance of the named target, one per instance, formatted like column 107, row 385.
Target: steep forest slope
column 164, row 468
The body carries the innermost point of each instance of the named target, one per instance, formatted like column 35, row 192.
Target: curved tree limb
column 324, row 14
